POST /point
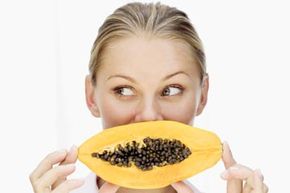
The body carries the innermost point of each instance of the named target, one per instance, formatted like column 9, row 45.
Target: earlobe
column 90, row 99
column 203, row 95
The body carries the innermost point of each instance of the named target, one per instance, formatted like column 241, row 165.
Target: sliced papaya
column 150, row 154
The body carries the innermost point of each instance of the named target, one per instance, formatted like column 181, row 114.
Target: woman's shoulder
column 90, row 185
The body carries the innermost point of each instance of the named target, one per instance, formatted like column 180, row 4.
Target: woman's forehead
column 143, row 53
column 129, row 45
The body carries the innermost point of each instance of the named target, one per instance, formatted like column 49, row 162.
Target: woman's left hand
column 241, row 179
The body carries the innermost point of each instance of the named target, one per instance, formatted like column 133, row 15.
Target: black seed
column 95, row 155
column 119, row 164
column 154, row 152
column 120, row 153
column 106, row 156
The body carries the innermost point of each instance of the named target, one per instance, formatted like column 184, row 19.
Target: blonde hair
column 157, row 20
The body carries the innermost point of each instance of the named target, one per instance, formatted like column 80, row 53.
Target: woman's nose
column 148, row 111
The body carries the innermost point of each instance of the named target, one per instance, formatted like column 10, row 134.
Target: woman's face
column 147, row 80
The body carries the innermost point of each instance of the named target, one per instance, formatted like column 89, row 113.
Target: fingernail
column 223, row 145
column 258, row 172
column 225, row 142
column 73, row 147
column 225, row 174
column 62, row 151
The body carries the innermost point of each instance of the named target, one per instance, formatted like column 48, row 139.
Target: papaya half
column 151, row 154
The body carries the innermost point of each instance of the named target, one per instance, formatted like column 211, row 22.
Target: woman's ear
column 90, row 97
column 203, row 95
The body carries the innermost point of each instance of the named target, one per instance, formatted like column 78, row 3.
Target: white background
column 44, row 54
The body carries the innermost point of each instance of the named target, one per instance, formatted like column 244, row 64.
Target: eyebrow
column 134, row 81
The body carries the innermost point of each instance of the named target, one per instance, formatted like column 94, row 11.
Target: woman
column 146, row 64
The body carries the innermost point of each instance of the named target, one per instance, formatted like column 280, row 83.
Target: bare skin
column 144, row 80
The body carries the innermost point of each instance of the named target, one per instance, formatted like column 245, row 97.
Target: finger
column 233, row 185
column 52, row 175
column 265, row 188
column 47, row 164
column 247, row 188
column 108, row 188
column 245, row 173
column 182, row 187
column 68, row 185
column 69, row 159
column 257, row 182
column 71, row 156
column 261, row 176
column 237, row 172
column 227, row 156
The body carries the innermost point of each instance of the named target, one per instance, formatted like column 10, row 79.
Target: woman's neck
column 167, row 189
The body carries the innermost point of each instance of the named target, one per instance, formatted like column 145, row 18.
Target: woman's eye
column 172, row 90
column 124, row 91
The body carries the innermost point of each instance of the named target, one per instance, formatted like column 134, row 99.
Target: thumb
column 227, row 156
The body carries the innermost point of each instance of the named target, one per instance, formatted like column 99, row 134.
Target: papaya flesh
column 203, row 150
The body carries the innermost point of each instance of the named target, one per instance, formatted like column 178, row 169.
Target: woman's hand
column 241, row 179
column 49, row 178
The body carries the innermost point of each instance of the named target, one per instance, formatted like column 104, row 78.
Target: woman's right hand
column 50, row 176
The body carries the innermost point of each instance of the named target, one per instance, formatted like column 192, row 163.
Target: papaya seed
column 154, row 152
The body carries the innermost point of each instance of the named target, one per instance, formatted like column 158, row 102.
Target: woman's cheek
column 182, row 112
column 116, row 113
